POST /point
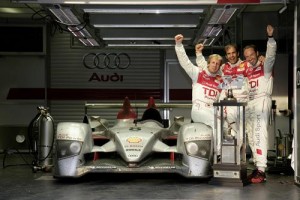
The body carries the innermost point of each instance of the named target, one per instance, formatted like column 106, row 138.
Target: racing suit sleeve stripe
column 270, row 57
column 186, row 64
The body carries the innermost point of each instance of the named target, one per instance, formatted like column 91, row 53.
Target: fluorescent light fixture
column 89, row 42
column 83, row 41
column 134, row 2
column 79, row 31
column 222, row 15
column 65, row 16
column 155, row 2
column 93, row 42
column 74, row 2
column 211, row 31
column 120, row 2
column 140, row 45
column 139, row 39
column 282, row 9
column 142, row 11
column 11, row 10
column 145, row 25
column 208, row 41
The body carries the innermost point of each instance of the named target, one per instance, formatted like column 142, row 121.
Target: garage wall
column 296, row 102
column 72, row 84
column 20, row 72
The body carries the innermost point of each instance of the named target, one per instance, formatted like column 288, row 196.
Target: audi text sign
column 117, row 61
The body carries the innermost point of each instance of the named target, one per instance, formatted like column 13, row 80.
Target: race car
column 131, row 145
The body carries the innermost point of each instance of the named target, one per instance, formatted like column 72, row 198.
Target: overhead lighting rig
column 215, row 25
column 66, row 17
column 284, row 7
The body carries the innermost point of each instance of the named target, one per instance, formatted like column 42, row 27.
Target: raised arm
column 270, row 53
column 200, row 59
column 183, row 59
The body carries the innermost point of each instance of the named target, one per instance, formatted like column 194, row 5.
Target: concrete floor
column 17, row 181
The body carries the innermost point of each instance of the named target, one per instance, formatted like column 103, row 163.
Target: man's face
column 214, row 65
column 251, row 56
column 232, row 55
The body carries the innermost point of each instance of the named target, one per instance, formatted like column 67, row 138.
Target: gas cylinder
column 42, row 140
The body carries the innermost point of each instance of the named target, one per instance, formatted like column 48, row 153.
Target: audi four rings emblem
column 106, row 60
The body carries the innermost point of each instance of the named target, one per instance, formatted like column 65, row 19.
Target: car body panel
column 133, row 146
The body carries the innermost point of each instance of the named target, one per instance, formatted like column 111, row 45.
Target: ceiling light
column 11, row 10
column 283, row 8
column 120, row 2
column 157, row 2
column 222, row 15
column 89, row 42
column 140, row 38
column 65, row 16
column 208, row 41
column 142, row 11
column 140, row 45
column 211, row 31
column 74, row 2
column 79, row 31
column 145, row 25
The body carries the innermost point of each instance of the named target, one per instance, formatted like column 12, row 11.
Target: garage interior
column 44, row 44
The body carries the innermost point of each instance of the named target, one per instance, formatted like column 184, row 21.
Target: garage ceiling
column 141, row 24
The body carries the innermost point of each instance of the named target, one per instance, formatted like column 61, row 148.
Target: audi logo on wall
column 106, row 60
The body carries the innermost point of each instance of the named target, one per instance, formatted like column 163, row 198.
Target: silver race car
column 146, row 145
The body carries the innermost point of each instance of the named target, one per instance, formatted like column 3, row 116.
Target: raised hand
column 199, row 48
column 179, row 38
column 270, row 30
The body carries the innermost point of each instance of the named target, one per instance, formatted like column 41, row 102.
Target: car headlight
column 192, row 148
column 200, row 148
column 75, row 147
column 67, row 148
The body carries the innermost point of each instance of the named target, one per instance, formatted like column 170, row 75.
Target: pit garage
column 94, row 103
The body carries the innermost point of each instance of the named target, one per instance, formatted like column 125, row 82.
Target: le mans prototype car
column 131, row 145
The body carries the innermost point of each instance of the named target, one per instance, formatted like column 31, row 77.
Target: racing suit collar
column 212, row 74
column 256, row 64
column 234, row 64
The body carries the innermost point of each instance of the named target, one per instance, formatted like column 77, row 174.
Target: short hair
column 217, row 56
column 250, row 46
column 228, row 46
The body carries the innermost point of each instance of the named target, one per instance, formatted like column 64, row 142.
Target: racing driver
column 259, row 106
column 205, row 81
column 233, row 67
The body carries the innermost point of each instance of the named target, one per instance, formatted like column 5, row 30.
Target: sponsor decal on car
column 134, row 140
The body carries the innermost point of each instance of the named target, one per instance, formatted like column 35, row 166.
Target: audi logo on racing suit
column 106, row 60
